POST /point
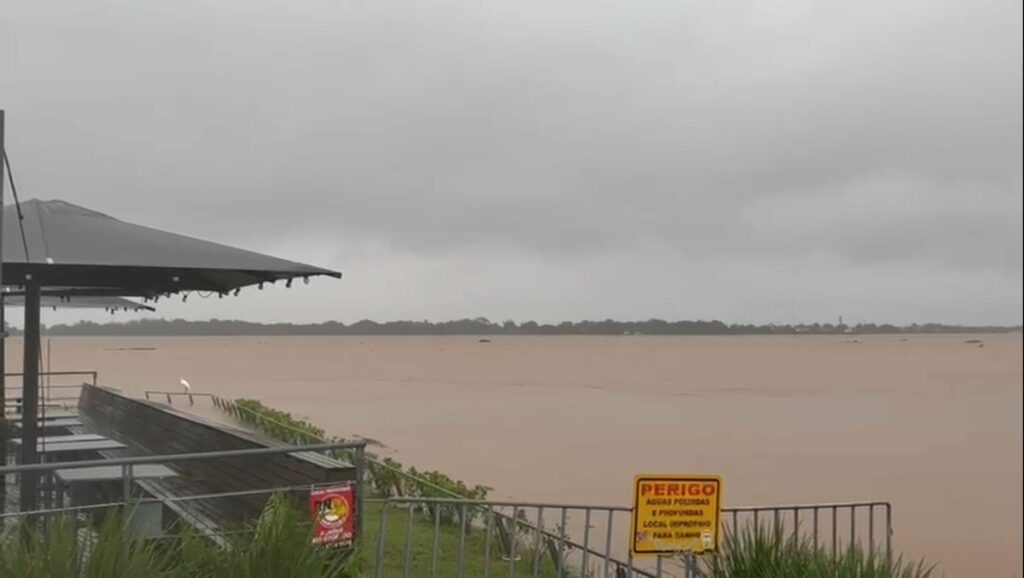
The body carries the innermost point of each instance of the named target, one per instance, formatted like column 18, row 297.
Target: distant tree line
column 483, row 326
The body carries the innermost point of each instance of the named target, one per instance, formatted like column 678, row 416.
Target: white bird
column 188, row 386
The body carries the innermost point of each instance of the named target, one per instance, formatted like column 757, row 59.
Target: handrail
column 166, row 458
column 491, row 507
column 731, row 512
column 170, row 499
column 18, row 388
column 791, row 507
column 93, row 374
column 551, row 505
column 127, row 463
column 191, row 396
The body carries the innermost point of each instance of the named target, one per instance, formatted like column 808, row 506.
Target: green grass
column 447, row 559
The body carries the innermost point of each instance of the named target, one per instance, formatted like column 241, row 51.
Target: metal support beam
column 30, row 398
column 3, row 328
column 3, row 323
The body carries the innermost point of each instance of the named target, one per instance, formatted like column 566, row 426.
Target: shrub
column 277, row 545
column 759, row 552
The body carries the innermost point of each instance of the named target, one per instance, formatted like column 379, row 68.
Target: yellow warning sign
column 675, row 513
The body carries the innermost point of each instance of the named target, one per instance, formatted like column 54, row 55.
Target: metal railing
column 458, row 537
column 92, row 375
column 135, row 500
column 545, row 540
column 13, row 393
column 585, row 540
column 495, row 538
column 170, row 395
column 127, row 464
column 482, row 539
column 830, row 526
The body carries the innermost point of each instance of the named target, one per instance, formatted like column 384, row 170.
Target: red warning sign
column 333, row 515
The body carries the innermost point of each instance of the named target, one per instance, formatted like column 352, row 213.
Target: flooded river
column 932, row 424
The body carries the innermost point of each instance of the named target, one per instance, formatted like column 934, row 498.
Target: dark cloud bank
column 760, row 162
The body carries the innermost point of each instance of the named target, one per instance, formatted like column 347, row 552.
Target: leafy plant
column 759, row 552
column 55, row 549
column 278, row 545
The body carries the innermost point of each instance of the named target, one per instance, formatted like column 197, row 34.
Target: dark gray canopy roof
column 74, row 247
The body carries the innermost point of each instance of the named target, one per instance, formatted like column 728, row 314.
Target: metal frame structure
column 127, row 463
column 123, row 259
column 92, row 375
column 514, row 534
column 505, row 521
column 14, row 392
column 3, row 319
column 170, row 395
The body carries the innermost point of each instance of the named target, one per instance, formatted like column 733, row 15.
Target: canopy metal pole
column 30, row 396
column 3, row 324
column 3, row 328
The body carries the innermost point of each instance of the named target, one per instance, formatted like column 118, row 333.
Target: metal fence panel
column 544, row 540
column 451, row 537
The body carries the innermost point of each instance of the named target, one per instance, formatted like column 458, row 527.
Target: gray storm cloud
column 770, row 161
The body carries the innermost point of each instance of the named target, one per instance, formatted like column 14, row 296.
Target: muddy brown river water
column 932, row 424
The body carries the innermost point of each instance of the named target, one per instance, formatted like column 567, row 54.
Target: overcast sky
column 762, row 161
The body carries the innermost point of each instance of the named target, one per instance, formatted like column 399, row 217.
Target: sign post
column 675, row 514
column 332, row 510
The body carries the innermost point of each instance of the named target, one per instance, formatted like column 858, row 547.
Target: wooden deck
column 149, row 428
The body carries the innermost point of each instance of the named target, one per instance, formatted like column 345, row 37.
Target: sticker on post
column 674, row 514
column 333, row 519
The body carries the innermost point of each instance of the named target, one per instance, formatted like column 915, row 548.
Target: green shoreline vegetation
column 484, row 326
column 385, row 477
